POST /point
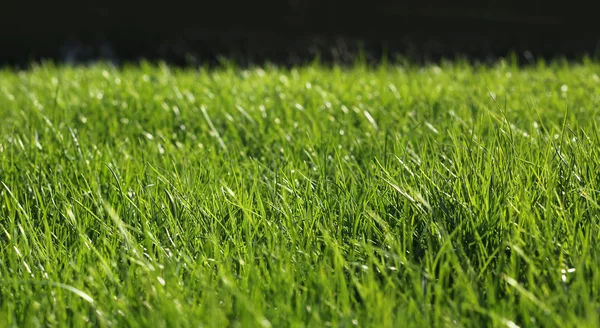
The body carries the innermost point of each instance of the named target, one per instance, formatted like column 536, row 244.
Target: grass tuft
column 449, row 195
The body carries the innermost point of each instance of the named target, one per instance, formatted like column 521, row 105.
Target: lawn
column 388, row 196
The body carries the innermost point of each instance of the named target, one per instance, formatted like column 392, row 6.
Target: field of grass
column 393, row 196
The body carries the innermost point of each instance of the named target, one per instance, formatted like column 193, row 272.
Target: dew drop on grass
column 262, row 111
column 511, row 324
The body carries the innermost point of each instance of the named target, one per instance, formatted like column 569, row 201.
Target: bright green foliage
column 392, row 196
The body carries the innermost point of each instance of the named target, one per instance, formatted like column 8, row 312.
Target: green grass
column 391, row 196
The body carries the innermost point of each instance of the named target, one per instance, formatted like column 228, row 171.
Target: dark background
column 294, row 31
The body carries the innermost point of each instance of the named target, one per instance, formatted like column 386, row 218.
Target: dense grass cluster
column 449, row 195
